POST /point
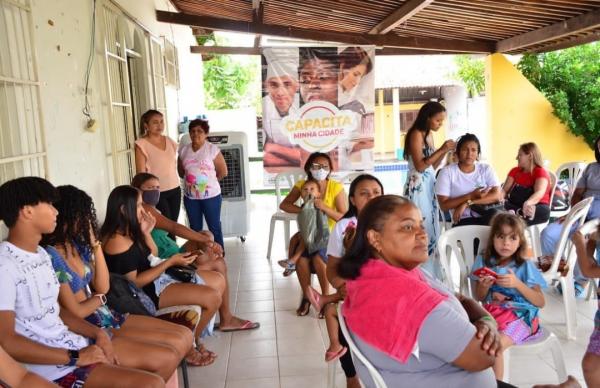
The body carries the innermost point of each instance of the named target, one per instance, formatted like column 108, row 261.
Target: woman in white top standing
column 157, row 154
column 202, row 166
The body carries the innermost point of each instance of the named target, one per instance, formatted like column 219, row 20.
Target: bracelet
column 96, row 245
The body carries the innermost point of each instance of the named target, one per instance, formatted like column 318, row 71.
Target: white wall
column 62, row 31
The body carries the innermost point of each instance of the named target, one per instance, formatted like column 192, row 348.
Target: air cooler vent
column 233, row 185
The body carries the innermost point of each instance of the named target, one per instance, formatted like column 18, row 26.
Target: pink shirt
column 200, row 173
column 162, row 163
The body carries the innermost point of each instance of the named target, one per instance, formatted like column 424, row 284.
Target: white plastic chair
column 356, row 354
column 566, row 249
column 464, row 243
column 290, row 178
column 546, row 341
column 574, row 171
column 444, row 225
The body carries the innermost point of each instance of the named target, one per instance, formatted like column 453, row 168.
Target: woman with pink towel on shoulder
column 424, row 335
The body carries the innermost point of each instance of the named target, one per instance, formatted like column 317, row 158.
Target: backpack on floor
column 560, row 201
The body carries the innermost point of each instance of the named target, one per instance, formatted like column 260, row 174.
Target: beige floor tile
column 254, row 348
column 267, row 382
column 252, row 368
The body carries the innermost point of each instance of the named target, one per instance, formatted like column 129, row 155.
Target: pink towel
column 386, row 307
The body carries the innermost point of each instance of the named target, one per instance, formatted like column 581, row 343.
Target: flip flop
column 248, row 325
column 332, row 356
column 314, row 298
column 199, row 359
column 304, row 308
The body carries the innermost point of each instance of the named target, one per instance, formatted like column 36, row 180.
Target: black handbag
column 184, row 274
column 482, row 209
column 519, row 194
column 125, row 297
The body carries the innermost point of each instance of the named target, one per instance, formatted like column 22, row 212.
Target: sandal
column 197, row 358
column 331, row 356
column 247, row 325
column 304, row 308
column 202, row 350
column 315, row 299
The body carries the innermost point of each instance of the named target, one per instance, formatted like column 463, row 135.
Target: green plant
column 570, row 80
column 471, row 72
column 229, row 83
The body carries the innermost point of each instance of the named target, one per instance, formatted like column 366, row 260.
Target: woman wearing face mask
column 333, row 203
column 202, row 166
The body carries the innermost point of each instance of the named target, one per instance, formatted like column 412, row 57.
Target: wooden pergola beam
column 389, row 40
column 558, row 30
column 399, row 16
column 225, row 50
column 231, row 50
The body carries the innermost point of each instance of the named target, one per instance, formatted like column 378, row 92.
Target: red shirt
column 528, row 179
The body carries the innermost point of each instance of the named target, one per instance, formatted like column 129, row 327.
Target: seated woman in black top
column 128, row 248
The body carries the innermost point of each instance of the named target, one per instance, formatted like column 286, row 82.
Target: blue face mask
column 151, row 197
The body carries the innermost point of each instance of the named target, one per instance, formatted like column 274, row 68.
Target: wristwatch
column 102, row 298
column 469, row 202
column 73, row 357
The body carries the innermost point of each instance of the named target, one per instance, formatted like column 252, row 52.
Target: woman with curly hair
column 80, row 268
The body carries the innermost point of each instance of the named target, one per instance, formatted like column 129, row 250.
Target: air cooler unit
column 235, row 187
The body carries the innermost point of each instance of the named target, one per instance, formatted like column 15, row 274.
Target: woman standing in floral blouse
column 202, row 166
column 423, row 159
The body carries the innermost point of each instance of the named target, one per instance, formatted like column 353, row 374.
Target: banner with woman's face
column 318, row 99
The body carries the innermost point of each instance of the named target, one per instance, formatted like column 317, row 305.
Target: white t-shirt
column 335, row 246
column 200, row 177
column 452, row 182
column 272, row 121
column 30, row 289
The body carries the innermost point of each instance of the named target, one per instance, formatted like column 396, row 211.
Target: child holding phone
column 514, row 296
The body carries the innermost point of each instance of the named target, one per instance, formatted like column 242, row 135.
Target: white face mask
column 319, row 174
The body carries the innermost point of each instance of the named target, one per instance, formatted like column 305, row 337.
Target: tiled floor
column 287, row 351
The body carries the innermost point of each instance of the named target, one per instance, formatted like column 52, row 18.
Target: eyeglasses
column 317, row 166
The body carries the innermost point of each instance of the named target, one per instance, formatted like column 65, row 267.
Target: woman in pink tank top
column 157, row 154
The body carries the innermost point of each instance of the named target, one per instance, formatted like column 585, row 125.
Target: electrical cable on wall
column 91, row 124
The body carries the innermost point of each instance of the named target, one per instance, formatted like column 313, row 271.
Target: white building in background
column 137, row 64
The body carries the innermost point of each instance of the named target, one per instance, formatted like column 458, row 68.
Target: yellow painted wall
column 519, row 113
column 384, row 122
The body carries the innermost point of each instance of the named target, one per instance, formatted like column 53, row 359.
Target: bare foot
column 236, row 324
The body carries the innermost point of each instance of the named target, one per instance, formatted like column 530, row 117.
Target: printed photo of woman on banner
column 318, row 99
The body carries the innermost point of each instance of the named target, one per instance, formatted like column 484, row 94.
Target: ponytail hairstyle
column 145, row 119
column 373, row 217
column 421, row 123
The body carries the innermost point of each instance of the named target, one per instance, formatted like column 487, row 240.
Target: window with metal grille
column 233, row 186
column 22, row 144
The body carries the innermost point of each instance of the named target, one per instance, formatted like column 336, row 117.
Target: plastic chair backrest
column 374, row 373
column 576, row 216
column 553, row 182
column 574, row 171
column 287, row 179
column 464, row 243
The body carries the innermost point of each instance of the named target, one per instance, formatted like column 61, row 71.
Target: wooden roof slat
column 405, row 12
column 558, row 30
column 511, row 26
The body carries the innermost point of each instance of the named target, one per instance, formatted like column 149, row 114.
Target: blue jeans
column 210, row 208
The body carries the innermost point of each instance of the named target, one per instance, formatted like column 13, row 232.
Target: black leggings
column 170, row 203
column 346, row 359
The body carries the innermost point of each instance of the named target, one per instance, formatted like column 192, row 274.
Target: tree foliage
column 471, row 72
column 570, row 80
column 228, row 83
